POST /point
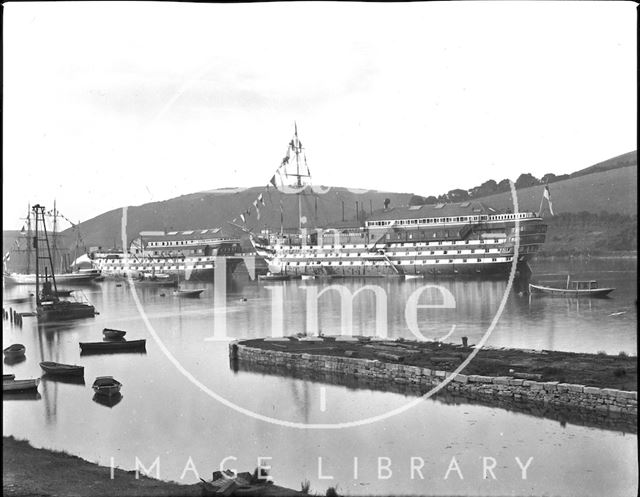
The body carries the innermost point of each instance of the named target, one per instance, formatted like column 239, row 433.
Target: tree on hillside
column 431, row 200
column 548, row 178
column 417, row 200
column 486, row 188
column 525, row 180
column 503, row 186
column 458, row 195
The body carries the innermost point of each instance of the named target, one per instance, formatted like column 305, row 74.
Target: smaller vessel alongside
column 56, row 368
column 155, row 279
column 14, row 351
column 188, row 293
column 20, row 385
column 106, row 386
column 277, row 277
column 113, row 345
column 413, row 276
column 112, row 334
column 575, row 288
column 8, row 377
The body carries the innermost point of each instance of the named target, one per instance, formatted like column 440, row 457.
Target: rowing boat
column 113, row 345
column 20, row 385
column 106, row 385
column 113, row 334
column 14, row 351
column 588, row 288
column 56, row 368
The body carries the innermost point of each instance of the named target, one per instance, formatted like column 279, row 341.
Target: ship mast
column 297, row 149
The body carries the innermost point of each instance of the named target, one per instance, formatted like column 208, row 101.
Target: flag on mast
column 547, row 195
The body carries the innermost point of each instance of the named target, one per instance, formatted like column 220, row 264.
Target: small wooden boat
column 8, row 377
column 160, row 279
column 113, row 334
column 412, row 276
column 56, row 368
column 106, row 386
column 192, row 294
column 14, row 351
column 308, row 276
column 576, row 288
column 278, row 277
column 20, row 385
column 113, row 345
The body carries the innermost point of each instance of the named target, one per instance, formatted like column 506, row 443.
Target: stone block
column 476, row 378
column 501, row 380
column 574, row 388
column 592, row 391
column 550, row 386
column 516, row 382
column 441, row 374
column 461, row 378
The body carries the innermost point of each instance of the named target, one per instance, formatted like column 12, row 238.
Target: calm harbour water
column 162, row 414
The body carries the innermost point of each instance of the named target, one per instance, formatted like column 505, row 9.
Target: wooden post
column 464, row 342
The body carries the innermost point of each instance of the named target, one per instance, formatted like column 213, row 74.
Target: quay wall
column 607, row 401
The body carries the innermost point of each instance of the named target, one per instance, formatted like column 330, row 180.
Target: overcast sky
column 111, row 104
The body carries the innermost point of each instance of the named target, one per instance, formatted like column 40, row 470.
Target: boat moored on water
column 575, row 288
column 442, row 239
column 113, row 345
column 14, row 385
column 106, row 386
column 56, row 368
column 14, row 351
column 190, row 294
column 190, row 254
column 112, row 334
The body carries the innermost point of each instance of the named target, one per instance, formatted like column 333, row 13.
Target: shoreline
column 31, row 472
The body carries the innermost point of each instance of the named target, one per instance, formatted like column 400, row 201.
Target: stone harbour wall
column 602, row 400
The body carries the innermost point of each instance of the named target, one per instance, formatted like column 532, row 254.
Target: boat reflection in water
column 67, row 379
column 24, row 395
column 11, row 361
column 107, row 401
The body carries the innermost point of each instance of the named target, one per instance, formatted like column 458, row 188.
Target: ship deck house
column 189, row 243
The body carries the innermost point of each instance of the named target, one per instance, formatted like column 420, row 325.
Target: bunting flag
column 273, row 181
column 255, row 204
column 260, row 199
column 7, row 256
column 244, row 219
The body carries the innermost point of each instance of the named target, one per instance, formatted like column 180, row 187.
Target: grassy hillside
column 624, row 160
column 614, row 191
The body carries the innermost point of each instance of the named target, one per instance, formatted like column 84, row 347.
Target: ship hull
column 70, row 278
column 200, row 271
column 488, row 251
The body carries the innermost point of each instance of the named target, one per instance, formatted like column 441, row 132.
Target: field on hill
column 614, row 191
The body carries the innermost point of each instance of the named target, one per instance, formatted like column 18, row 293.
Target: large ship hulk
column 467, row 238
column 191, row 254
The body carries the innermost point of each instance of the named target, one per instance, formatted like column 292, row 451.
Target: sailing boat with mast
column 23, row 260
column 49, row 307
